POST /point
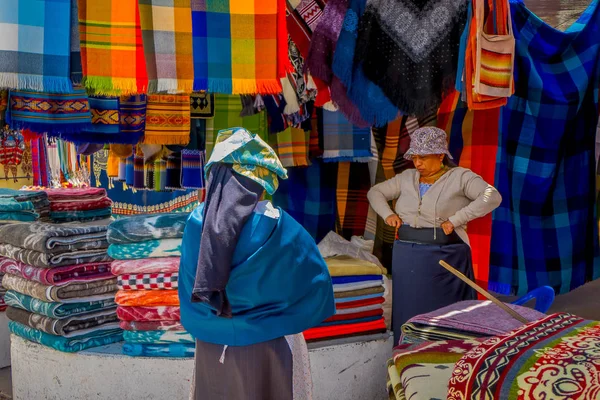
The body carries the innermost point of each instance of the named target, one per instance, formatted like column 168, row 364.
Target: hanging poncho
column 409, row 48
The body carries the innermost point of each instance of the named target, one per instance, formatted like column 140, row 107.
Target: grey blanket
column 49, row 260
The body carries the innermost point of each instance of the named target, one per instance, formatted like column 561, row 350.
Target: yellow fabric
column 348, row 266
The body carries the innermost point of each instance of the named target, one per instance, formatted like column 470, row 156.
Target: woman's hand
column 394, row 220
column 448, row 227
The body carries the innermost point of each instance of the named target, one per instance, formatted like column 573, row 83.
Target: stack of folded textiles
column 359, row 291
column 79, row 205
column 463, row 321
column 60, row 291
column 147, row 250
column 23, row 206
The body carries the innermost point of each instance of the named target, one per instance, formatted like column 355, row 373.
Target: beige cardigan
column 459, row 196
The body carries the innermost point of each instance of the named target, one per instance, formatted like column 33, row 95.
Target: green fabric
column 55, row 310
column 67, row 345
column 8, row 204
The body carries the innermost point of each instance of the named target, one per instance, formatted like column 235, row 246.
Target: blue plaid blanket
column 35, row 45
column 546, row 232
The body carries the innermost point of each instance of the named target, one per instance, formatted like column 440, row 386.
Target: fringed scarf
column 132, row 114
column 202, row 105
column 193, row 157
column 353, row 184
column 247, row 44
column 168, row 120
column 343, row 141
column 55, row 114
column 112, row 54
column 167, row 34
column 35, row 45
column 173, row 176
column 410, row 50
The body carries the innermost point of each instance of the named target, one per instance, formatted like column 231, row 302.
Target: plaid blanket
column 546, row 161
column 54, row 114
column 112, row 53
column 227, row 115
column 244, row 41
column 471, row 143
column 168, row 120
column 291, row 146
column 167, row 36
column 148, row 281
column 308, row 195
column 353, row 184
column 343, row 141
column 34, row 54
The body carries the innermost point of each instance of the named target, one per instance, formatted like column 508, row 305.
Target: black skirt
column 421, row 285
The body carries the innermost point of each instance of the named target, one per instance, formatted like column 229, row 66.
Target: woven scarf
column 202, row 105
column 168, row 119
column 173, row 177
column 132, row 114
column 314, row 185
column 315, row 146
column 75, row 56
column 370, row 100
column 343, row 141
column 409, row 48
column 138, row 170
column 320, row 59
column 105, row 122
column 55, row 114
column 35, row 54
column 241, row 46
column 193, row 157
column 546, row 161
column 353, row 184
column 291, row 146
column 227, row 115
column 112, row 54
column 160, row 174
column 302, row 21
column 167, row 34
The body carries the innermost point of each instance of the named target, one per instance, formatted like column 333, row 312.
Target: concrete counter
column 350, row 371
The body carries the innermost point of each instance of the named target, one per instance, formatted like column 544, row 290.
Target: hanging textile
column 411, row 51
column 105, row 122
column 353, row 184
column 202, row 105
column 168, row 119
column 291, row 146
column 174, row 172
column 75, row 56
column 308, row 195
column 132, row 115
column 240, row 46
column 112, row 55
column 167, row 37
column 546, row 161
column 302, row 21
column 315, row 146
column 370, row 100
column 344, row 141
column 474, row 144
column 227, row 115
column 54, row 114
column 193, row 157
column 35, row 53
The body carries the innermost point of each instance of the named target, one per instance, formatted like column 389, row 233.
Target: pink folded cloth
column 139, row 313
column 146, row 266
column 57, row 276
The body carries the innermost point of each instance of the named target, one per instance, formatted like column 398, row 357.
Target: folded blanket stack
column 79, row 205
column 146, row 250
column 59, row 287
column 23, row 206
column 359, row 291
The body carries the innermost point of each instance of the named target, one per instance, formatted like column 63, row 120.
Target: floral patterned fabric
column 148, row 266
column 44, row 260
column 58, row 275
column 147, row 227
column 172, row 350
column 251, row 157
column 427, row 141
column 557, row 357
column 147, row 314
column 152, row 326
column 147, row 298
column 158, row 337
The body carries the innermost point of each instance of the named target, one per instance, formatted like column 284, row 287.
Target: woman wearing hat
column 434, row 203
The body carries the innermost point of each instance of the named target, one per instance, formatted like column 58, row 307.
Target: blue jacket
column 279, row 283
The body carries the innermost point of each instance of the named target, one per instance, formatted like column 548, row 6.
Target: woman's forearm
column 485, row 200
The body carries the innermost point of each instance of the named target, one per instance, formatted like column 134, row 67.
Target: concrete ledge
column 352, row 371
column 4, row 341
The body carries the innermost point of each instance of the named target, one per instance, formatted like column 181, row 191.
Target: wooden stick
column 484, row 293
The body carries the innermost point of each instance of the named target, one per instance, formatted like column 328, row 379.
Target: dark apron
column 420, row 284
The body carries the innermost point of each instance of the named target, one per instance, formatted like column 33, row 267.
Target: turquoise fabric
column 8, row 204
column 174, row 350
column 279, row 283
column 67, row 345
column 158, row 337
column 147, row 249
column 55, row 310
column 19, row 216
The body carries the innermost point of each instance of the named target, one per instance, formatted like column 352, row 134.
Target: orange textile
column 147, row 298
